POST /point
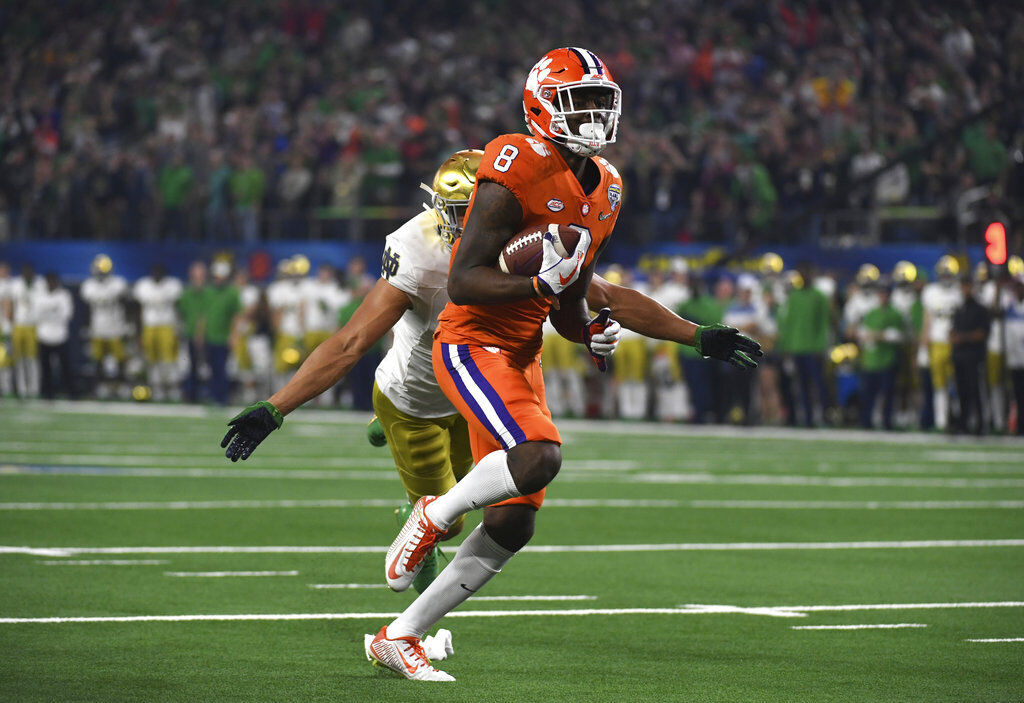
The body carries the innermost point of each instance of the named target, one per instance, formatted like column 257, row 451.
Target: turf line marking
column 105, row 562
column 576, row 476
column 550, row 503
column 224, row 574
column 348, row 585
column 999, row 639
column 891, row 626
column 390, row 615
column 532, row 598
column 538, row 549
column 788, row 611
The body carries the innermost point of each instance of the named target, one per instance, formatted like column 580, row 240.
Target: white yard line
column 456, row 614
column 227, row 574
column 549, row 503
column 537, row 549
column 888, row 626
column 998, row 639
column 104, row 562
column 532, row 598
column 596, row 476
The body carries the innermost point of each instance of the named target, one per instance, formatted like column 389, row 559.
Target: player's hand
column 557, row 274
column 249, row 428
column 727, row 344
column 601, row 336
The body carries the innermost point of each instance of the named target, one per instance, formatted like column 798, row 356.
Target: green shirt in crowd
column 175, row 182
column 703, row 310
column 191, row 305
column 804, row 322
column 223, row 303
column 248, row 186
column 880, row 355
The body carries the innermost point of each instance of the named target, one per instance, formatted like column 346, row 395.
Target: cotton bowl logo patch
column 555, row 205
column 614, row 195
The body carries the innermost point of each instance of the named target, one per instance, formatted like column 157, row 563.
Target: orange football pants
column 501, row 395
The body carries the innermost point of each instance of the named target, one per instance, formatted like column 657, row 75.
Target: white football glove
column 438, row 647
column 557, row 273
column 605, row 343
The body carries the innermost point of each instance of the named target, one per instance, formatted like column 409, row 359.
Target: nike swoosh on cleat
column 602, row 216
column 471, row 590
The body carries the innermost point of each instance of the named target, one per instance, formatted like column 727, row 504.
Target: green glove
column 727, row 344
column 249, row 428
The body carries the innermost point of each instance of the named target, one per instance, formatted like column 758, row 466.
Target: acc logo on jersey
column 614, row 195
column 555, row 205
column 389, row 263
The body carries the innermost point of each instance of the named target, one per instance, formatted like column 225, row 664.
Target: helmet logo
column 538, row 74
column 555, row 205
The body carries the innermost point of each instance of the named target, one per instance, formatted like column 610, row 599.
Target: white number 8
column 507, row 154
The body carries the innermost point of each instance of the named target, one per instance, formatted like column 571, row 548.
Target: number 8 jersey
column 548, row 193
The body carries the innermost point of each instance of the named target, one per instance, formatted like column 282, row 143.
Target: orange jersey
column 548, row 192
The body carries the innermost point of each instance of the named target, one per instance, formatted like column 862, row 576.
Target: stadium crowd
column 886, row 349
column 249, row 120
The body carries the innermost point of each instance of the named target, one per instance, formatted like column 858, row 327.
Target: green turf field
column 673, row 566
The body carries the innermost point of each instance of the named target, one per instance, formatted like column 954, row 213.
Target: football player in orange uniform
column 487, row 346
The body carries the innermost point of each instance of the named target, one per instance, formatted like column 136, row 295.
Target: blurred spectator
column 748, row 317
column 880, row 333
column 175, row 184
column 703, row 309
column 969, row 335
column 360, row 379
column 55, row 308
column 248, row 185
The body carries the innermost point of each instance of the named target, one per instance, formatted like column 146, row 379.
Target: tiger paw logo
column 538, row 74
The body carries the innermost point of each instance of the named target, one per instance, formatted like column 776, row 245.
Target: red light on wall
column 995, row 235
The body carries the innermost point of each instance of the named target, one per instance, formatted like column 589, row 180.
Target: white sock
column 996, row 402
column 489, row 482
column 478, row 559
column 941, row 408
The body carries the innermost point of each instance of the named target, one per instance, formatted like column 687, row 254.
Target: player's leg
column 940, row 361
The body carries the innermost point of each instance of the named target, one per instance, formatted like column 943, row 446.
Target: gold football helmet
column 904, row 272
column 300, row 265
column 101, row 265
column 1015, row 265
column 771, row 264
column 947, row 267
column 868, row 274
column 453, row 185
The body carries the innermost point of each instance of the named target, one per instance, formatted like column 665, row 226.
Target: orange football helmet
column 571, row 99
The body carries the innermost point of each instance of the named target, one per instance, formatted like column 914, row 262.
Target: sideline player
column 158, row 296
column 940, row 299
column 487, row 345
column 105, row 292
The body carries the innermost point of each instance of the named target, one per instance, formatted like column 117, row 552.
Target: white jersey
column 5, row 295
column 1014, row 311
column 859, row 304
column 55, row 309
column 321, row 302
column 158, row 300
column 416, row 262
column 285, row 295
column 671, row 295
column 24, row 297
column 107, row 311
column 940, row 301
column 987, row 297
column 903, row 299
column 249, row 296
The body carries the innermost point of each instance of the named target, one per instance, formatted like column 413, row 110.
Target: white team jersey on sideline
column 55, row 309
column 903, row 298
column 416, row 262
column 285, row 295
column 940, row 301
column 24, row 297
column 107, row 311
column 987, row 297
column 5, row 294
column 158, row 300
column 859, row 304
column 249, row 296
column 322, row 301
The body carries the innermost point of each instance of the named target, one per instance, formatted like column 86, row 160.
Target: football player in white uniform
column 6, row 325
column 428, row 438
column 105, row 292
column 157, row 295
column 940, row 299
column 23, row 293
column 284, row 297
column 322, row 298
column 862, row 299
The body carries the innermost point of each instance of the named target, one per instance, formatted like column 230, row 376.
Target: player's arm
column 495, row 218
column 327, row 365
column 646, row 316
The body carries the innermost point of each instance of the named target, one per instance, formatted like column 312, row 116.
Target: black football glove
column 249, row 428
column 727, row 344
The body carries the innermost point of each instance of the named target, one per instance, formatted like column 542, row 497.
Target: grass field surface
column 669, row 564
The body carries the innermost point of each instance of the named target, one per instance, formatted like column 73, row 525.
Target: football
column 524, row 253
